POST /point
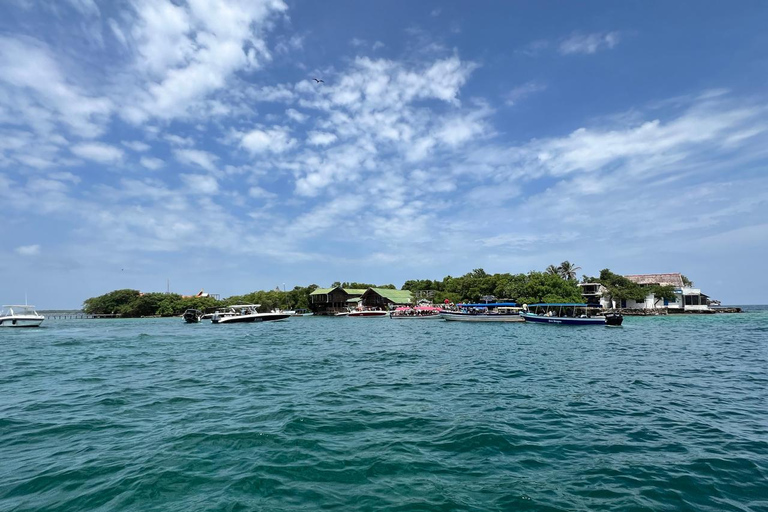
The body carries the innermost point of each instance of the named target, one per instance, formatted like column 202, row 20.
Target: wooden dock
column 75, row 315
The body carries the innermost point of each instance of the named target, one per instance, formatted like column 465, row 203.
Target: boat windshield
column 18, row 310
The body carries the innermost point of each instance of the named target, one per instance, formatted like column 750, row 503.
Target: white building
column 687, row 298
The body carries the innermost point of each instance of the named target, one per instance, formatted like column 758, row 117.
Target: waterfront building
column 687, row 298
column 385, row 297
column 329, row 301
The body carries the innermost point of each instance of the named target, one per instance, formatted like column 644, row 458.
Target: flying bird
column 318, row 80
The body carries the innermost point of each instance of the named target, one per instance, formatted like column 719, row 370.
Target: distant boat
column 300, row 312
column 367, row 313
column 246, row 313
column 570, row 314
column 193, row 316
column 484, row 312
column 20, row 316
column 417, row 313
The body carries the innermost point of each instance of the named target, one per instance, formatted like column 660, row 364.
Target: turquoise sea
column 663, row 414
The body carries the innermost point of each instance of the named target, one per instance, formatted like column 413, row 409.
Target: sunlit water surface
column 374, row 414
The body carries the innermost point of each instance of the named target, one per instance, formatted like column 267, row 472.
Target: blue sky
column 142, row 141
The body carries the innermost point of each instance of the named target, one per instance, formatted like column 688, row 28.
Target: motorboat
column 193, row 316
column 417, row 313
column 367, row 313
column 20, row 316
column 570, row 314
column 246, row 313
column 484, row 312
column 301, row 312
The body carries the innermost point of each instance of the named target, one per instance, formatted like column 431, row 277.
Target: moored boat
column 367, row 313
column 246, row 313
column 20, row 316
column 301, row 312
column 570, row 314
column 484, row 312
column 417, row 313
column 193, row 316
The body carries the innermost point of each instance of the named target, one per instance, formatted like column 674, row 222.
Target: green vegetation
column 132, row 303
column 555, row 284
column 566, row 270
column 527, row 288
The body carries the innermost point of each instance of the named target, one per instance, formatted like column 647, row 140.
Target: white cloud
column 117, row 32
column 39, row 93
column 98, row 152
column 28, row 250
column 188, row 51
column 260, row 193
column 296, row 115
column 523, row 91
column 197, row 157
column 178, row 140
column 200, row 183
column 152, row 163
column 287, row 45
column 321, row 138
column 87, row 7
column 136, row 145
column 589, row 43
column 271, row 140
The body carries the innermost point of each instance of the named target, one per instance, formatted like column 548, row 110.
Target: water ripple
column 325, row 413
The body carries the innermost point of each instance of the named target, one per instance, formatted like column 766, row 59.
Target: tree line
column 555, row 284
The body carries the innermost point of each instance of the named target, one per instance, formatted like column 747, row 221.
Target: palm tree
column 567, row 270
column 553, row 270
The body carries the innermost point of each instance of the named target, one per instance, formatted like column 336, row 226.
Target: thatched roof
column 675, row 279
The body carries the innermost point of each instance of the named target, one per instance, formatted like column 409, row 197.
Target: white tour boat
column 484, row 312
column 367, row 313
column 417, row 313
column 20, row 316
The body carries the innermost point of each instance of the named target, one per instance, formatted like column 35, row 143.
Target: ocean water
column 662, row 414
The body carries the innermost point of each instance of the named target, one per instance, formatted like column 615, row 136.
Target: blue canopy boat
column 570, row 314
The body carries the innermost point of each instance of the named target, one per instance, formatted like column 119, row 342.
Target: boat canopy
column 489, row 305
column 568, row 304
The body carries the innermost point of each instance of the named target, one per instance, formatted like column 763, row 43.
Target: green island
column 553, row 285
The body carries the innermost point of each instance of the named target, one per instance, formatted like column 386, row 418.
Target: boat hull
column 563, row 320
column 21, row 321
column 367, row 314
column 192, row 318
column 242, row 319
column 454, row 316
column 415, row 317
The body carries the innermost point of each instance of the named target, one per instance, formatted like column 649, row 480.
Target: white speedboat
column 367, row 313
column 301, row 312
column 20, row 316
column 246, row 313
